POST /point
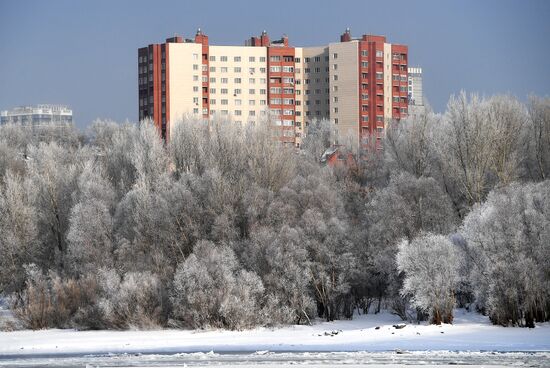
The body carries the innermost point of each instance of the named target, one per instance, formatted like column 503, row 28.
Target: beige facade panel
column 316, row 83
column 185, row 95
column 344, row 89
column 238, row 82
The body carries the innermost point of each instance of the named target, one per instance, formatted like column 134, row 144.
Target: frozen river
column 288, row 359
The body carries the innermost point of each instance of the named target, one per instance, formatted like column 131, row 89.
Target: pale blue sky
column 83, row 53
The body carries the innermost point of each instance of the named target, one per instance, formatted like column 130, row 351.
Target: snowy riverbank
column 471, row 332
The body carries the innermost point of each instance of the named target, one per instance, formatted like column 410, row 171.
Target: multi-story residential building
column 416, row 96
column 359, row 84
column 38, row 115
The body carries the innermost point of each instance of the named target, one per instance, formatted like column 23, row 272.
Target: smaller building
column 416, row 96
column 39, row 115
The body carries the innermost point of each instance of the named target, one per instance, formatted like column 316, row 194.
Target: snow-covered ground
column 470, row 332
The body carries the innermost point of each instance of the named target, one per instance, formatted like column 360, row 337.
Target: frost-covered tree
column 19, row 238
column 212, row 290
column 537, row 139
column 53, row 174
column 91, row 237
column 431, row 264
column 508, row 244
column 281, row 259
column 134, row 300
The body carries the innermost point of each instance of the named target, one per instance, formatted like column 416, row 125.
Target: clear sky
column 84, row 53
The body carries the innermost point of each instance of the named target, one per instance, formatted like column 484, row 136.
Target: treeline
column 223, row 227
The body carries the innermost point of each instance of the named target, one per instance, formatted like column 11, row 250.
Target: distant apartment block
column 416, row 96
column 39, row 115
column 358, row 83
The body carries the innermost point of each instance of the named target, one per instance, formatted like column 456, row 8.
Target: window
column 204, row 67
column 335, row 110
column 252, row 70
column 251, row 102
column 365, row 96
column 223, row 58
column 251, row 113
column 195, row 89
column 317, row 70
column 335, row 77
column 288, row 101
column 224, row 69
column 195, row 66
column 212, row 69
column 204, row 79
column 212, row 80
column 275, row 58
column 275, row 101
column 262, row 70
column 237, row 80
column 195, row 56
column 224, row 80
column 364, row 53
column 237, row 59
column 288, row 69
column 212, row 101
column 238, row 112
column 262, row 59
column 365, row 118
column 288, row 112
column 263, row 102
column 335, row 56
column 379, row 118
column 335, row 66
column 379, row 53
column 262, row 91
column 275, row 69
column 296, row 59
column 251, row 80
column 224, row 91
column 237, row 69
column 288, row 80
column 237, row 91
column 195, row 78
column 225, row 112
column 317, row 59
column 212, row 58
column 195, row 111
column 364, row 64
column 238, row 102
column 251, row 59
column 263, row 80
column 379, row 75
column 224, row 102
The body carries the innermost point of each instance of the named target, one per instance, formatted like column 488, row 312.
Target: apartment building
column 38, row 115
column 359, row 84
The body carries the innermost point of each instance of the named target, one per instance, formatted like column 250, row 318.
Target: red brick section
column 157, row 95
column 372, row 106
column 166, row 92
column 283, row 56
column 399, row 60
column 203, row 39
